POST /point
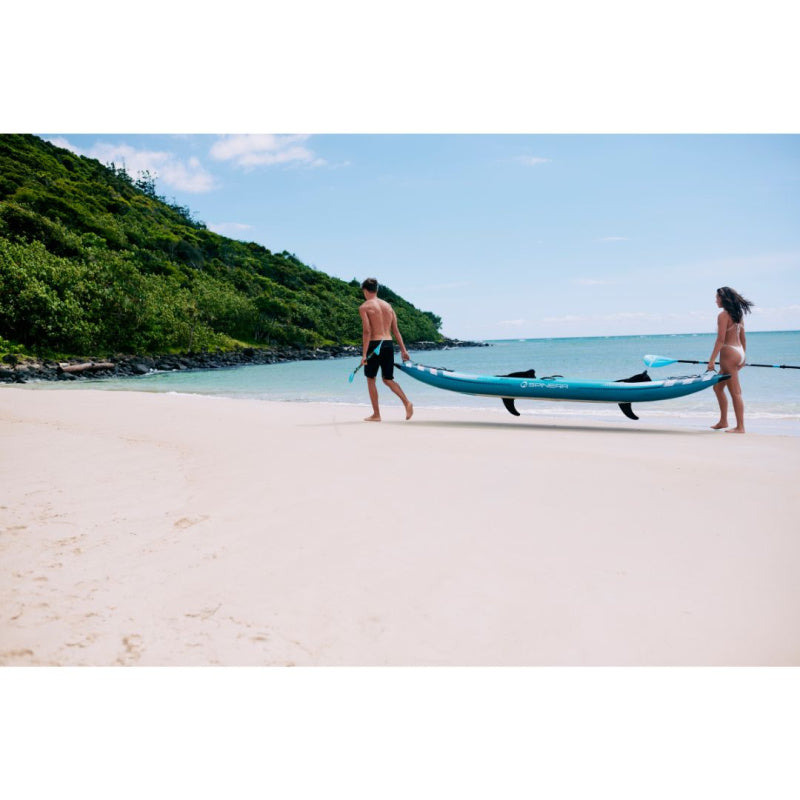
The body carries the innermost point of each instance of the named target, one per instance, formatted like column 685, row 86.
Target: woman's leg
column 729, row 362
column 735, row 388
column 719, row 391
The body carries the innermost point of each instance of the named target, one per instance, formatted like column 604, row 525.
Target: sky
column 507, row 235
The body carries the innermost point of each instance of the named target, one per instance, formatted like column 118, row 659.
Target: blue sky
column 508, row 236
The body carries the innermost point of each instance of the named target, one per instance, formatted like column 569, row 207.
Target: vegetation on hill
column 93, row 261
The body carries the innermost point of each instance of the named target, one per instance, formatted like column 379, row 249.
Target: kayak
column 636, row 389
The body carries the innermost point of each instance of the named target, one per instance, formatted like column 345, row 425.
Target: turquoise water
column 772, row 396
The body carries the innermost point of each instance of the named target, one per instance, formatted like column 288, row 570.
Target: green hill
column 93, row 261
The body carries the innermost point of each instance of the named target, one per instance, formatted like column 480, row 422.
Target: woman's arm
column 722, row 324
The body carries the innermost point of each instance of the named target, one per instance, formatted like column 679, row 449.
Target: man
column 379, row 324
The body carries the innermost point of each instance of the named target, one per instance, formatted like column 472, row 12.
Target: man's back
column 380, row 316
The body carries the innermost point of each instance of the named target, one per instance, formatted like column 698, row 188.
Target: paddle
column 663, row 361
column 353, row 373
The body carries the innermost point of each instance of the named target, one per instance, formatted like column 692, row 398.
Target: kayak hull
column 582, row 391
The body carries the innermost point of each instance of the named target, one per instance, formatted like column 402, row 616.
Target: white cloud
column 60, row 141
column 614, row 239
column 636, row 315
column 566, row 318
column 188, row 176
column 168, row 169
column 615, row 317
column 777, row 318
column 592, row 282
column 513, row 323
column 232, row 229
column 256, row 150
column 532, row 161
column 641, row 322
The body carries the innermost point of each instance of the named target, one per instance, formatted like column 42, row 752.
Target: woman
column 730, row 347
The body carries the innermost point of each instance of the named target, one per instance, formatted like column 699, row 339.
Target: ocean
column 772, row 396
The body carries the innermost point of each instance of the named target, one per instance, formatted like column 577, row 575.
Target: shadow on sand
column 507, row 426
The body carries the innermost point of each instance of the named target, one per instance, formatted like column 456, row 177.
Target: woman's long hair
column 734, row 303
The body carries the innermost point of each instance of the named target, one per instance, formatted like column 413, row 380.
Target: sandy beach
column 146, row 529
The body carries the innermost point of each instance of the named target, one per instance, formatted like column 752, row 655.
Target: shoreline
column 601, row 414
column 25, row 369
column 161, row 529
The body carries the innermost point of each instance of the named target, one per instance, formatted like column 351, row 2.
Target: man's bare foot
column 409, row 410
column 719, row 426
column 735, row 430
column 373, row 418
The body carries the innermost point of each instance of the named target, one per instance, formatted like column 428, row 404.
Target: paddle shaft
column 748, row 364
column 353, row 373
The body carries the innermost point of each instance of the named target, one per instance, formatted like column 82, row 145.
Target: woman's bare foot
column 373, row 418
column 719, row 426
column 409, row 410
column 735, row 430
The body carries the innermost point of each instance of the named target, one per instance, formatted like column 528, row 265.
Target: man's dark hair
column 370, row 284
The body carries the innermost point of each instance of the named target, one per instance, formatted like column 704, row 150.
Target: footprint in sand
column 204, row 613
column 187, row 522
column 13, row 655
column 133, row 649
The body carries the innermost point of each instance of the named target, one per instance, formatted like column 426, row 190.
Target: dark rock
column 131, row 365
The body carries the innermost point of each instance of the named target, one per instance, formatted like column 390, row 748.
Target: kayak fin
column 625, row 408
column 508, row 402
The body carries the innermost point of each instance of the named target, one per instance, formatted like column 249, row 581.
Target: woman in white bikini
column 730, row 347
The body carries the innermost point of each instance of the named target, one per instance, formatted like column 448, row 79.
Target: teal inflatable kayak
column 636, row 389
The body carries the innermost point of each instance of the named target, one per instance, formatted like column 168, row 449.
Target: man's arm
column 366, row 333
column 398, row 338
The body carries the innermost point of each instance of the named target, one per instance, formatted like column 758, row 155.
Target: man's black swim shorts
column 384, row 359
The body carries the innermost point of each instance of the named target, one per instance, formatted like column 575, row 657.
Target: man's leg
column 373, row 397
column 395, row 387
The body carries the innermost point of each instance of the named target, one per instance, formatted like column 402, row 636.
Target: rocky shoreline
column 15, row 369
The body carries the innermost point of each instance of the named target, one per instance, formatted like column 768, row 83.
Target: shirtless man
column 379, row 324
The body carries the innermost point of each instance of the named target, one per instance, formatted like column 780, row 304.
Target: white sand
column 177, row 530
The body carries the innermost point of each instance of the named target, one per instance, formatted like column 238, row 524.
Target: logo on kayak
column 543, row 385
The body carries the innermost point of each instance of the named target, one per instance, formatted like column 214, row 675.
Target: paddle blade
column 658, row 361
